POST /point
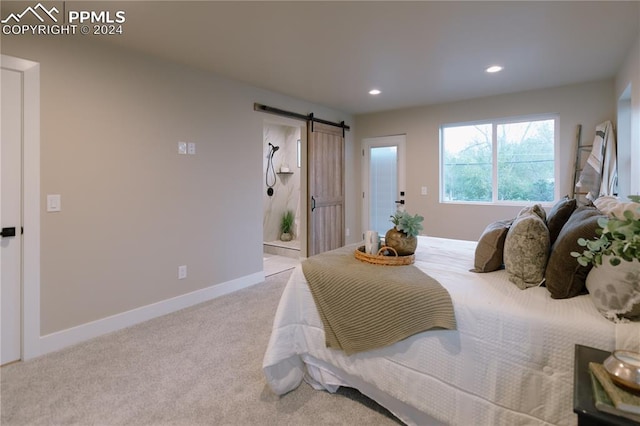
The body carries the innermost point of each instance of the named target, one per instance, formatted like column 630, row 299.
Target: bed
column 508, row 362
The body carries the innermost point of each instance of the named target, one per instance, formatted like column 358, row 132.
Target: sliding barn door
column 326, row 188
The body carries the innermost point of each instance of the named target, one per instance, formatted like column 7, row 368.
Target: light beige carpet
column 199, row 366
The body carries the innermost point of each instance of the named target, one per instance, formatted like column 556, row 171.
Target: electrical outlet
column 423, row 190
column 182, row 272
column 191, row 148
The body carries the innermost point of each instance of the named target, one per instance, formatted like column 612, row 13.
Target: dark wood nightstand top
column 583, row 406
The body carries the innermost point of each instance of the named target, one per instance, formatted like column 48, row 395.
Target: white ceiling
column 417, row 53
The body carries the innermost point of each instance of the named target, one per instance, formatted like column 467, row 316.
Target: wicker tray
column 381, row 259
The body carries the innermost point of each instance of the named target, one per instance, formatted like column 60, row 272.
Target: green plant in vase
column 614, row 280
column 286, row 225
column 403, row 236
column 618, row 240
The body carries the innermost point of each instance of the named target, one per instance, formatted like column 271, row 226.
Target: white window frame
column 494, row 172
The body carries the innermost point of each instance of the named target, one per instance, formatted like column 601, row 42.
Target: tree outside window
column 501, row 161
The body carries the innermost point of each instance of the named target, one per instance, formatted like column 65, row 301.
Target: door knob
column 8, row 232
column 400, row 202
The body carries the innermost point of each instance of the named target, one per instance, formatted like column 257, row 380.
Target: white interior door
column 383, row 181
column 11, row 216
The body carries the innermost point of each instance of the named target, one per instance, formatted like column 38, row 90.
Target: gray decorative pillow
column 615, row 290
column 490, row 248
column 558, row 216
column 565, row 277
column 526, row 249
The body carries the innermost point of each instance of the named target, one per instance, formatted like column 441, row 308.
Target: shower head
column 273, row 147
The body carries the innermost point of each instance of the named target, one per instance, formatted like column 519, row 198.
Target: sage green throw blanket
column 365, row 306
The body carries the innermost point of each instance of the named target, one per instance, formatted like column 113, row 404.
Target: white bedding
column 510, row 361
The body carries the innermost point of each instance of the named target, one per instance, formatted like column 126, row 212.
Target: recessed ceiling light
column 494, row 68
column 374, row 92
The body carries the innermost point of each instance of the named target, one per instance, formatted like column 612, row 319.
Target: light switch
column 54, row 203
column 423, row 190
column 182, row 272
column 182, row 147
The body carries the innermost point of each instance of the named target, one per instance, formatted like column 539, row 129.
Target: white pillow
column 612, row 206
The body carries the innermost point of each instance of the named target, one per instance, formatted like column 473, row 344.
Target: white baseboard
column 71, row 336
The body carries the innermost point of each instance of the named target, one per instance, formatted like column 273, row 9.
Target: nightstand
column 583, row 405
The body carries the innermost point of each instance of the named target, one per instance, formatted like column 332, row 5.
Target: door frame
column 30, row 202
column 381, row 141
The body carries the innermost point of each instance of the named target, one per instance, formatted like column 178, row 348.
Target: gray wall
column 133, row 210
column 587, row 104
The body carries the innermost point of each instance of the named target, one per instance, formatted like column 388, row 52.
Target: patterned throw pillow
column 536, row 209
column 615, row 290
column 526, row 249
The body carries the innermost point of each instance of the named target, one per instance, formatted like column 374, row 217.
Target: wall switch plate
column 54, row 203
column 182, row 272
column 191, row 148
column 182, row 147
column 423, row 190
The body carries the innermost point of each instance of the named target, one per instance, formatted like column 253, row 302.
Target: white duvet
column 510, row 361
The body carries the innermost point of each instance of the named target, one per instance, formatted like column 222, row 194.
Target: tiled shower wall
column 286, row 193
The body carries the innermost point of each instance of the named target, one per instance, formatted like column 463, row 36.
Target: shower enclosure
column 281, row 187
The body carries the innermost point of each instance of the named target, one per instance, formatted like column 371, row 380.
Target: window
column 498, row 161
